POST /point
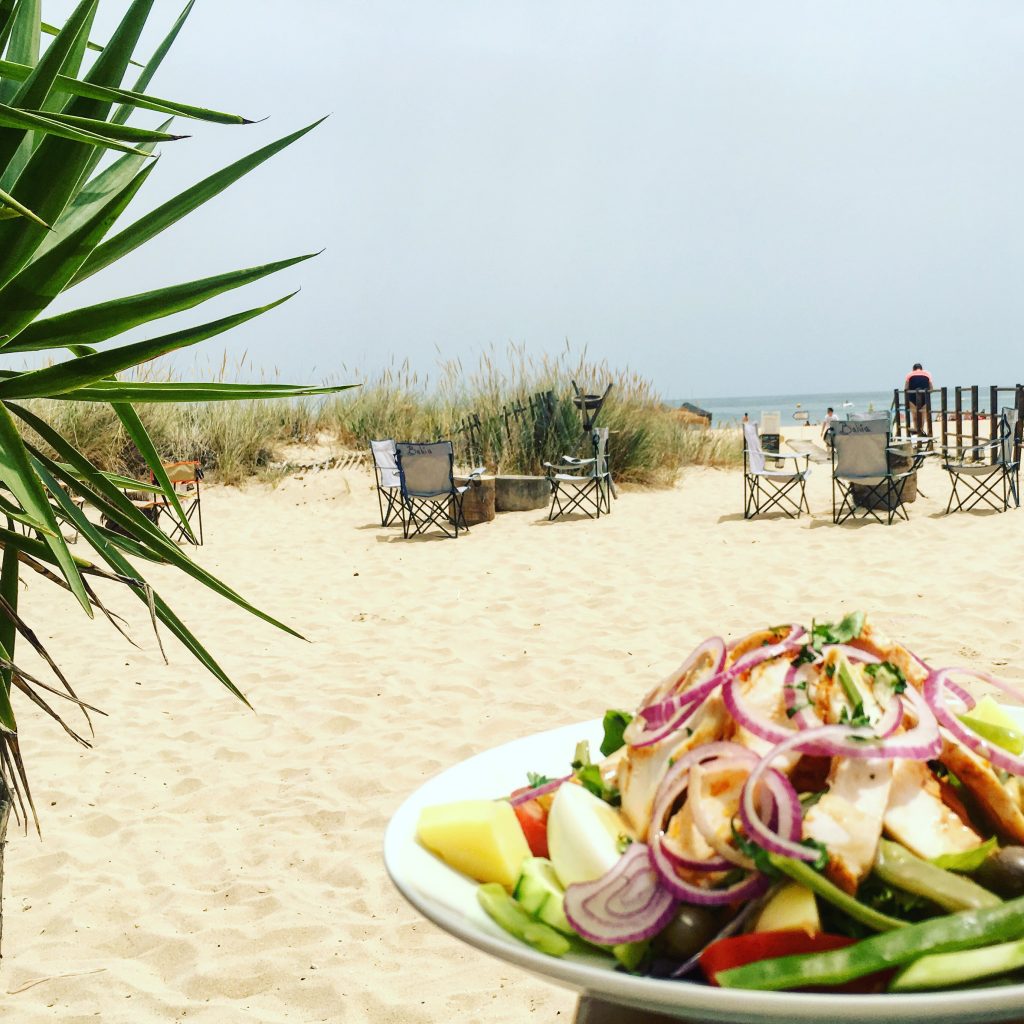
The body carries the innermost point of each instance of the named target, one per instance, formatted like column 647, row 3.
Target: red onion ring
column 784, row 837
column 667, row 708
column 852, row 653
column 626, row 904
column 531, row 794
column 677, row 709
column 745, row 888
column 934, row 693
column 698, row 773
column 806, row 717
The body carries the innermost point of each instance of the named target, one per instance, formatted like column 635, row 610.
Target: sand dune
column 209, row 864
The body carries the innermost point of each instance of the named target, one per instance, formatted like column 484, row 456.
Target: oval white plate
column 449, row 900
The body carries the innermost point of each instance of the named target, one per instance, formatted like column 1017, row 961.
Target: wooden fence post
column 959, row 409
column 993, row 425
column 974, row 420
column 944, row 407
column 897, row 422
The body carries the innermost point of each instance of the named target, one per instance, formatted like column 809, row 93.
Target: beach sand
column 209, row 864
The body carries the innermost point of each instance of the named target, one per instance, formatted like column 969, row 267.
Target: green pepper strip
column 968, row 929
column 821, row 886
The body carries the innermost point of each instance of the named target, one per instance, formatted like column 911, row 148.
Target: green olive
column 689, row 931
column 1003, row 872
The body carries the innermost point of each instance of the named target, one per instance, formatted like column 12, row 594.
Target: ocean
column 731, row 410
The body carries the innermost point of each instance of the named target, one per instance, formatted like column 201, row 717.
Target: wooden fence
column 966, row 409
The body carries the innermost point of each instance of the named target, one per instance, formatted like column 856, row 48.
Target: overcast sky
column 729, row 197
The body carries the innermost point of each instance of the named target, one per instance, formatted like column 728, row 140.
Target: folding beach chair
column 861, row 475
column 990, row 475
column 583, row 485
column 766, row 489
column 184, row 477
column 389, row 484
column 429, row 494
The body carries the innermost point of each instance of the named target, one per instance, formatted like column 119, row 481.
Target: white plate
column 449, row 900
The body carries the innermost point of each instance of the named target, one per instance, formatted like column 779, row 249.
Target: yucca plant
column 62, row 196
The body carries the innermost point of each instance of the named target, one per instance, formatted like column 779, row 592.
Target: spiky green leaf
column 105, row 320
column 17, row 473
column 63, row 379
column 28, row 293
column 184, row 203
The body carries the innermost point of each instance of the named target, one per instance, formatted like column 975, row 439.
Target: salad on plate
column 806, row 809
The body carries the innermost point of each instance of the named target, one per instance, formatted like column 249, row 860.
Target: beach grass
column 511, row 413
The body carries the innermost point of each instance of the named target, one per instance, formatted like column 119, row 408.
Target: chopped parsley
column 888, row 674
column 842, row 632
column 535, row 779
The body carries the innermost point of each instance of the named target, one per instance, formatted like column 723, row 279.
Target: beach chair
column 184, row 477
column 861, row 474
column 429, row 494
column 989, row 474
column 583, row 485
column 766, row 489
column 389, row 484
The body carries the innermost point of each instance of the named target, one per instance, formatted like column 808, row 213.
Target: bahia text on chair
column 428, row 492
column 862, row 474
column 389, row 484
column 766, row 489
column 583, row 485
column 989, row 473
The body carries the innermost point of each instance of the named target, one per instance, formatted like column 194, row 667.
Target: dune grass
column 515, row 430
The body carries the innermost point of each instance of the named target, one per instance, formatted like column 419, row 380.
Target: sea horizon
column 730, row 409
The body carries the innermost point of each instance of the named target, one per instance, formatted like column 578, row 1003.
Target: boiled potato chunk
column 792, row 908
column 480, row 838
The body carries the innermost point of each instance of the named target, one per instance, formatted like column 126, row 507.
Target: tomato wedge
column 533, row 820
column 746, row 949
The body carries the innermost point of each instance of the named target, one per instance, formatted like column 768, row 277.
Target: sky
column 727, row 197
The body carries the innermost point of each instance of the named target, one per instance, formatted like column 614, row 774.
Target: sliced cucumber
column 517, row 921
column 539, row 891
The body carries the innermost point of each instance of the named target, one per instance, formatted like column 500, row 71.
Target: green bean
column 967, row 929
column 821, row 886
column 898, row 866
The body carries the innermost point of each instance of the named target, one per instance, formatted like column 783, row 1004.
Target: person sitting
column 917, row 385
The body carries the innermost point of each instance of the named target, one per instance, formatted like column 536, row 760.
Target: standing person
column 827, row 424
column 917, row 385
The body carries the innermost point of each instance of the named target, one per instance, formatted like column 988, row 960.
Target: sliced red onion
column 531, row 794
column 665, row 860
column 627, row 904
column 667, row 707
column 732, row 696
column 804, row 716
column 934, row 692
column 675, row 710
column 745, row 888
column 921, row 743
column 783, row 838
column 792, row 640
column 722, row 847
column 852, row 653
column 713, row 647
column 689, row 863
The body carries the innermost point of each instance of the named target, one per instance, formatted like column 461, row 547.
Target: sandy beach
column 209, row 864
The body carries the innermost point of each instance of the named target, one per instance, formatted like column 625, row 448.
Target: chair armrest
column 969, row 447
